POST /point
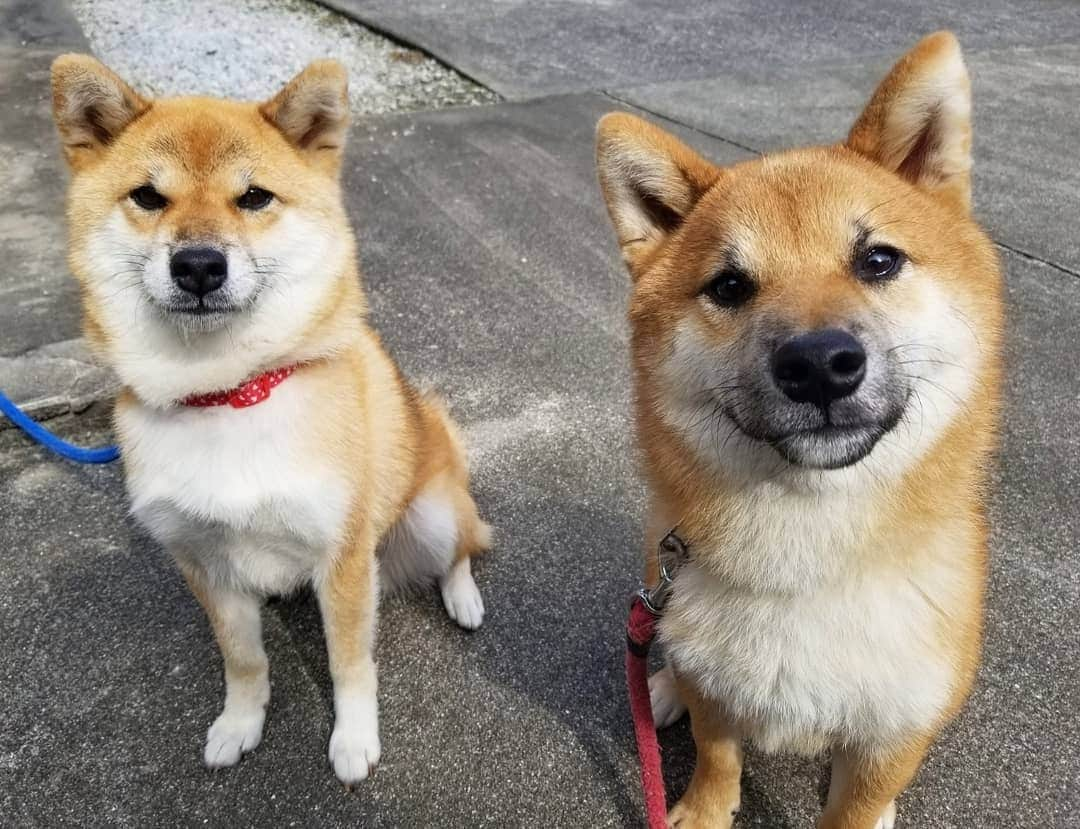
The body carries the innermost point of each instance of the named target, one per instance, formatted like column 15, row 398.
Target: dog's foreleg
column 348, row 599
column 862, row 792
column 713, row 796
column 235, row 619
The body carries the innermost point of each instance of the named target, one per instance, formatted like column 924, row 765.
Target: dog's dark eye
column 878, row 263
column 255, row 199
column 730, row 289
column 148, row 198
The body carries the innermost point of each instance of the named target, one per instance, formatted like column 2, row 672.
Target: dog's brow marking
column 861, row 221
column 212, row 154
column 224, row 153
column 732, row 257
column 862, row 238
column 164, row 144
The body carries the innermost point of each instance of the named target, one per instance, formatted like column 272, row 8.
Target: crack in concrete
column 1033, row 258
column 683, row 124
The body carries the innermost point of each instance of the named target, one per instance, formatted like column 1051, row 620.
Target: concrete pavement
column 494, row 277
column 542, row 47
column 38, row 298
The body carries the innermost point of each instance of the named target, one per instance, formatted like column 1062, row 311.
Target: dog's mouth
column 202, row 310
column 828, row 445
column 199, row 314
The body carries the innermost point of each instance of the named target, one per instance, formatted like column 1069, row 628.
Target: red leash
column 640, row 630
column 645, row 610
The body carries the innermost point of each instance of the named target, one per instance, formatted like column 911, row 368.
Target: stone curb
column 56, row 379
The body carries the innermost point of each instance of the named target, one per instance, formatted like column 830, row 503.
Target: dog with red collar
column 268, row 439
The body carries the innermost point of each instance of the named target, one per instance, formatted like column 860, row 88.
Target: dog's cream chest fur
column 852, row 656
column 238, row 490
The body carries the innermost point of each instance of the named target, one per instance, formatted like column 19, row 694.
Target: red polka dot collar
column 254, row 391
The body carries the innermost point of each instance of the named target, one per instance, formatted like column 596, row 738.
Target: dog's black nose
column 819, row 367
column 199, row 270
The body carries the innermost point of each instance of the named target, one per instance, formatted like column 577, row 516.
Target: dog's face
column 197, row 218
column 793, row 311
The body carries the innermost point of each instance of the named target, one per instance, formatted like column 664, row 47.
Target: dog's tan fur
column 339, row 452
column 793, row 549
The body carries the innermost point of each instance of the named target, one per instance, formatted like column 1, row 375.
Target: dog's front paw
column 689, row 816
column 233, row 734
column 461, row 596
column 709, row 803
column 355, row 750
column 667, row 705
column 888, row 817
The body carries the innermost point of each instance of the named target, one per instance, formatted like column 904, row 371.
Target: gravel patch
column 249, row 48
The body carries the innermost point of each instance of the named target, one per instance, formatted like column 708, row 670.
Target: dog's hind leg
column 441, row 530
column 435, row 540
column 460, row 595
column 236, row 620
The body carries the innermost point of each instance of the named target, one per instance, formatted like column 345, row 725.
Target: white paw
column 888, row 817
column 667, row 705
column 234, row 733
column 461, row 596
column 355, row 749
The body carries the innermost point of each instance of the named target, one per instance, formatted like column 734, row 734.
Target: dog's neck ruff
column 254, row 391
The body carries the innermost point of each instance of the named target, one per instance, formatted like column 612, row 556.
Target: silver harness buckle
column 671, row 554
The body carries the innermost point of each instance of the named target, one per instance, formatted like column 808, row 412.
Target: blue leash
column 39, row 433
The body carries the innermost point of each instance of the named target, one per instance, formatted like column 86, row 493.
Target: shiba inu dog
column 268, row 439
column 815, row 343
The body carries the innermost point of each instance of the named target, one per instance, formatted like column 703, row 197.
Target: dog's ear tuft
column 650, row 180
column 91, row 106
column 918, row 122
column 312, row 111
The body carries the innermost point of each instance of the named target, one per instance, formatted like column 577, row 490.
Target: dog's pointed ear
column 312, row 111
column 650, row 180
column 91, row 106
column 918, row 122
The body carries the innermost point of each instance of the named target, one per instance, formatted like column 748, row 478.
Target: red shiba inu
column 268, row 440
column 815, row 341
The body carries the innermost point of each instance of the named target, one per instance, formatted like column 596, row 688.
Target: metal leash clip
column 670, row 556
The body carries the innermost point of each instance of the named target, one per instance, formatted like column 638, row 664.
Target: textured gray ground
column 529, row 48
column 250, row 48
column 493, row 275
column 38, row 298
